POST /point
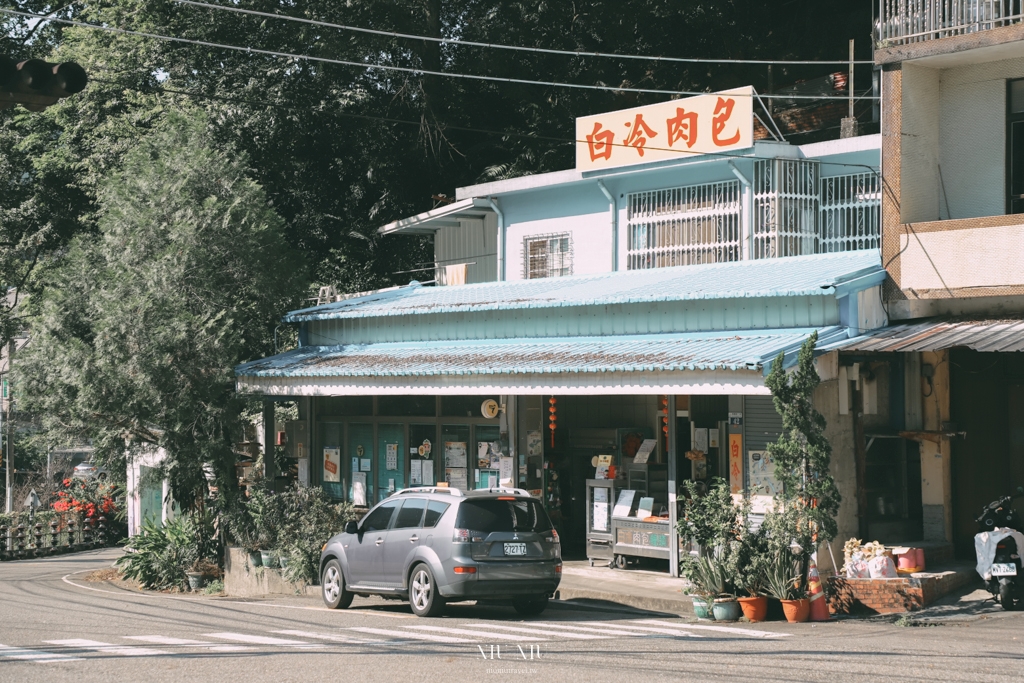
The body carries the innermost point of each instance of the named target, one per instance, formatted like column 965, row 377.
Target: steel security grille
column 851, row 213
column 547, row 256
column 682, row 226
column 911, row 21
column 785, row 208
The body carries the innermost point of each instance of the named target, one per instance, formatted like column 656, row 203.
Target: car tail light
column 465, row 570
column 558, row 568
column 553, row 538
column 460, row 536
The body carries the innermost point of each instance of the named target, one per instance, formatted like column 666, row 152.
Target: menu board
column 600, row 514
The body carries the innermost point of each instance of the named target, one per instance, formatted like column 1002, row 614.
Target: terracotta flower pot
column 754, row 609
column 796, row 610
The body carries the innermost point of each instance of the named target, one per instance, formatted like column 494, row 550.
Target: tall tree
column 135, row 343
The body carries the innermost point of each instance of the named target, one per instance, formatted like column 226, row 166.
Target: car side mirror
column 352, row 527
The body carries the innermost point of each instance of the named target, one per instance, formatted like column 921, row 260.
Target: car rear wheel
column 423, row 596
column 530, row 607
column 332, row 586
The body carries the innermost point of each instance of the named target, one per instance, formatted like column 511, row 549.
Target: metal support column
column 673, row 535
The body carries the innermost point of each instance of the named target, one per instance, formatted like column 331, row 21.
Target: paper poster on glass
column 483, row 454
column 415, row 477
column 359, row 488
column 600, row 514
column 332, row 464
column 455, row 454
column 505, row 469
column 763, row 484
column 427, row 472
column 457, row 478
column 391, row 456
column 645, row 450
column 534, row 443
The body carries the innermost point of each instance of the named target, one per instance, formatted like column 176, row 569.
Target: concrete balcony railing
column 912, row 21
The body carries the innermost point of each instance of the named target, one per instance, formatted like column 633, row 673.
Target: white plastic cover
column 985, row 547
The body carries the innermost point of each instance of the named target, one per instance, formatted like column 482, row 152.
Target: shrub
column 309, row 519
column 159, row 556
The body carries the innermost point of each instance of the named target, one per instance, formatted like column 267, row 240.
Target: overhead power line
column 517, row 48
column 388, row 67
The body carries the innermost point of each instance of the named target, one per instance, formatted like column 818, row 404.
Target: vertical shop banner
column 332, row 464
column 736, row 464
column 676, row 129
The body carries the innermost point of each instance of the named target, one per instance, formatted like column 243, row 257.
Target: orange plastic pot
column 796, row 611
column 754, row 609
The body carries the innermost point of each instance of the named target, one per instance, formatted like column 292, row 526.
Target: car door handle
column 413, row 539
column 380, row 540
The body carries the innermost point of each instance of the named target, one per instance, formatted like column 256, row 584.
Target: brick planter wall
column 891, row 596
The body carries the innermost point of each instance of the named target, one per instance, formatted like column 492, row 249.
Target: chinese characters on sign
column 736, row 464
column 676, row 129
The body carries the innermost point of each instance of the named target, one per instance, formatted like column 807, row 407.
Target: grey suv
column 432, row 546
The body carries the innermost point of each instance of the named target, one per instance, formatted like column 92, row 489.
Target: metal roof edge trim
column 826, row 337
column 418, row 222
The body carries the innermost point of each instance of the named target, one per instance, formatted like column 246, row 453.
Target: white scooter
column 998, row 547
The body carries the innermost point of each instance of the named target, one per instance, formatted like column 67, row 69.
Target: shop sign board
column 736, row 464
column 677, row 129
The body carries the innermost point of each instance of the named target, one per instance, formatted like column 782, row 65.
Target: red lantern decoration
column 552, row 418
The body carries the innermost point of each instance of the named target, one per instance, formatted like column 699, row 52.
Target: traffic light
column 35, row 84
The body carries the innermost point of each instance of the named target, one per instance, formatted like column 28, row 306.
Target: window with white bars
column 851, row 213
column 786, row 206
column 682, row 226
column 547, row 256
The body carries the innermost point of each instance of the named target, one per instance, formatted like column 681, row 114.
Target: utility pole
column 848, row 128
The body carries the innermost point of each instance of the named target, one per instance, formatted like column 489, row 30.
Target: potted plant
column 195, row 575
column 752, row 575
column 783, row 584
column 708, row 578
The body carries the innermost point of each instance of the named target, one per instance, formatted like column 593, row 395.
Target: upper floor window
column 1015, row 145
column 547, row 256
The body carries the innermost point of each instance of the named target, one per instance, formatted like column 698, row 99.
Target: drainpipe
column 747, row 226
column 615, row 224
column 501, row 237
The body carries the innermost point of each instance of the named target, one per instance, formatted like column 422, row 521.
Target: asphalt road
column 56, row 626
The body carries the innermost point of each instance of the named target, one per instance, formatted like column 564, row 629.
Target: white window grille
column 547, row 256
column 851, row 213
column 911, row 21
column 785, row 208
column 682, row 226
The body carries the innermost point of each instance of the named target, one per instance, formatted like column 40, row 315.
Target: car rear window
column 435, row 510
column 490, row 515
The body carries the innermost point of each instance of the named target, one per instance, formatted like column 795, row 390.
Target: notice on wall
column 506, row 467
column 391, row 485
column 332, row 464
column 415, row 470
column 736, row 464
column 455, row 454
column 359, row 488
column 644, row 452
column 365, row 464
column 700, row 439
column 624, row 505
column 713, row 438
column 763, row 484
column 355, row 465
column 427, row 472
column 303, row 472
column 599, row 522
column 457, row 478
column 391, row 456
column 534, row 443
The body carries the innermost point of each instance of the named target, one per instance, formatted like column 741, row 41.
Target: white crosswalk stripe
column 409, row 635
column 540, row 631
column 250, row 639
column 186, row 642
column 333, row 637
column 108, row 648
column 604, row 630
column 476, row 634
column 735, row 630
column 648, row 629
column 37, row 656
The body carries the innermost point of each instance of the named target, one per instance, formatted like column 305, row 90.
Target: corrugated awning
column 706, row 362
column 936, row 334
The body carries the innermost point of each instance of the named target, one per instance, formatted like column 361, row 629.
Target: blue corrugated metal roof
column 796, row 276
column 748, row 350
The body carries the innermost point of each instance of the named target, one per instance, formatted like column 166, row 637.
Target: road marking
column 540, row 632
column 167, row 640
column 754, row 633
column 251, row 639
column 108, row 648
column 663, row 630
column 407, row 635
column 37, row 656
column 475, row 634
column 608, row 631
column 333, row 637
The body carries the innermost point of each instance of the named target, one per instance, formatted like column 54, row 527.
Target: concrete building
column 638, row 300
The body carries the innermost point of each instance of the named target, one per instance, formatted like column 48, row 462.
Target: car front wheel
column 423, row 596
column 332, row 586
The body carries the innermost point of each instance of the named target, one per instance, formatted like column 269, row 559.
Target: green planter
column 269, row 558
column 256, row 558
column 196, row 580
column 726, row 610
column 701, row 608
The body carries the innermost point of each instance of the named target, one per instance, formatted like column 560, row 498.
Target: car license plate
column 998, row 569
column 515, row 549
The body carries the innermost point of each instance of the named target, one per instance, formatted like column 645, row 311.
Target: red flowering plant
column 90, row 499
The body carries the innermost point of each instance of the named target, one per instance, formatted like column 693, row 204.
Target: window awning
column 733, row 362
column 441, row 217
column 937, row 334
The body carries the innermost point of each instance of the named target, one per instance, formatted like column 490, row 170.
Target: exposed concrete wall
column 839, row 431
column 951, row 259
column 919, row 136
column 242, row 580
column 936, row 458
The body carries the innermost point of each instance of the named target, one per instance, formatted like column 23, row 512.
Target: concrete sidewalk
column 625, row 588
